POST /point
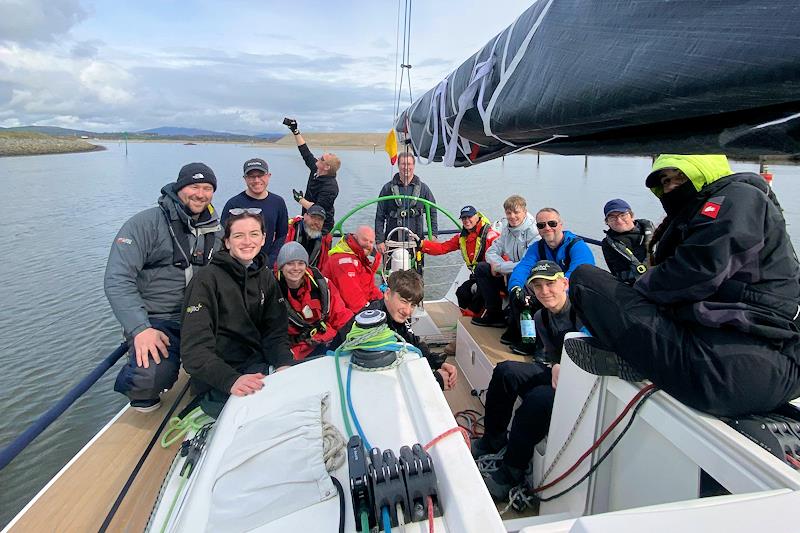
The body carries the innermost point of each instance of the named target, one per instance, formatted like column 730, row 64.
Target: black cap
column 255, row 164
column 317, row 210
column 548, row 270
column 195, row 173
column 468, row 211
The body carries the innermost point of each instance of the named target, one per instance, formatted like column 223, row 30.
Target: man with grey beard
column 307, row 230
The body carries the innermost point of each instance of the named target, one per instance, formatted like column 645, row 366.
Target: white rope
column 333, row 443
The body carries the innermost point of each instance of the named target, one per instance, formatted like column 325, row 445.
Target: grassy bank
column 24, row 143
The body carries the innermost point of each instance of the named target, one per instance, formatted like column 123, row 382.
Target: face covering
column 679, row 198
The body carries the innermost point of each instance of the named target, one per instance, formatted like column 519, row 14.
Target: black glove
column 298, row 195
column 519, row 297
column 291, row 124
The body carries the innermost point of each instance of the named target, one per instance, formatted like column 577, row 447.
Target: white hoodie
column 512, row 243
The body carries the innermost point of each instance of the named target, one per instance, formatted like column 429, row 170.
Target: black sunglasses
column 236, row 211
column 551, row 223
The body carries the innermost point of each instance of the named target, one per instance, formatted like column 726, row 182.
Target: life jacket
column 182, row 254
column 319, row 291
column 645, row 230
column 480, row 243
column 567, row 259
column 412, row 210
column 343, row 247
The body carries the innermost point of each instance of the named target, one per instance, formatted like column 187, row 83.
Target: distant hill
column 165, row 132
column 339, row 139
column 52, row 130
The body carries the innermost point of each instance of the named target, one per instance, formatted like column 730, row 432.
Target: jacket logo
column 710, row 209
column 123, row 240
column 198, row 176
column 194, row 308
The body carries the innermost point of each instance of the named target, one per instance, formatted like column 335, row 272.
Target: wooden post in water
column 538, row 155
column 585, row 162
column 125, row 134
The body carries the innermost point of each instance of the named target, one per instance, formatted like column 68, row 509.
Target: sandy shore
column 17, row 145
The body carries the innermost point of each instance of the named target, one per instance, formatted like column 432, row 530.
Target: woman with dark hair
column 234, row 324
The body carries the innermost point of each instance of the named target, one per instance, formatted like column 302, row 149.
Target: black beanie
column 195, row 173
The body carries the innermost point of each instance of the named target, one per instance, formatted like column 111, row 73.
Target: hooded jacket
column 725, row 260
column 141, row 278
column 306, row 302
column 509, row 248
column 571, row 253
column 388, row 214
column 353, row 273
column 233, row 318
column 480, row 237
column 321, row 190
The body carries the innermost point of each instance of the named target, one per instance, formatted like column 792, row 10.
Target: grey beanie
column 292, row 251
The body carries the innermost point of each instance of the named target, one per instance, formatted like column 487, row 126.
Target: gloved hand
column 298, row 195
column 291, row 124
column 519, row 297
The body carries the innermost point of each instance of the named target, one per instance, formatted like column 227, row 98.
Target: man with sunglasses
column 269, row 205
column 556, row 244
column 322, row 187
column 152, row 259
column 626, row 241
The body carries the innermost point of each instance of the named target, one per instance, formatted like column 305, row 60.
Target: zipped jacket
column 510, row 247
column 148, row 268
column 353, row 273
column 233, row 318
column 477, row 239
column 726, row 259
column 321, row 190
column 626, row 253
column 571, row 253
column 390, row 214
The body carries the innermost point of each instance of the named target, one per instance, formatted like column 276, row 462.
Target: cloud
column 36, row 21
column 85, row 49
column 381, row 42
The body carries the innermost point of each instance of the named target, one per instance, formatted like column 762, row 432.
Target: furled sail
column 622, row 77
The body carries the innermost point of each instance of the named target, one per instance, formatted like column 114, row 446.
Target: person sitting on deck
column 257, row 196
column 151, row 260
column 714, row 321
column 403, row 295
column 352, row 265
column 234, row 324
column 534, row 383
column 316, row 311
column 517, row 233
column 322, row 187
column 556, row 244
column 626, row 241
column 307, row 230
column 390, row 214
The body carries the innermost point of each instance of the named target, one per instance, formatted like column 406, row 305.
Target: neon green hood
column 700, row 169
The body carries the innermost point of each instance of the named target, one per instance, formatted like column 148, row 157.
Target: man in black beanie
column 151, row 261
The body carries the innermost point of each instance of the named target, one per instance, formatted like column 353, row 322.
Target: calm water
column 62, row 211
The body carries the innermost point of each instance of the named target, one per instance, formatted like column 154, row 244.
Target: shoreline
column 19, row 146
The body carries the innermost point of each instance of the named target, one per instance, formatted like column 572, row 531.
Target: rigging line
column 408, row 54
column 396, row 62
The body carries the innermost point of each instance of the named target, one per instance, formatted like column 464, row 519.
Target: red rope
column 464, row 433
column 430, row 514
column 795, row 462
column 600, row 440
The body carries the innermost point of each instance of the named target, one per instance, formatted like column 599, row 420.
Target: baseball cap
column 548, row 270
column 468, row 211
column 317, row 210
column 255, row 164
column 617, row 204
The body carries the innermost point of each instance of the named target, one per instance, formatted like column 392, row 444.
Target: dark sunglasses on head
column 236, row 211
column 551, row 223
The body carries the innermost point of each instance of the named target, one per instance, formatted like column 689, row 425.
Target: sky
column 235, row 66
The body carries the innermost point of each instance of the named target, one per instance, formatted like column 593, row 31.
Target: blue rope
column 353, row 412
column 387, row 523
column 21, row 442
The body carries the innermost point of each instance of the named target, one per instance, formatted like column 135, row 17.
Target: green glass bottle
column 527, row 327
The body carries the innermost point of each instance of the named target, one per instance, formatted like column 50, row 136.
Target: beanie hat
column 292, row 251
column 195, row 173
column 617, row 204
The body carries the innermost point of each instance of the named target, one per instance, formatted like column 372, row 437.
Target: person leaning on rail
column 556, row 244
column 626, row 241
column 403, row 295
column 390, row 214
column 316, row 311
column 234, row 325
column 533, row 383
column 152, row 258
column 257, row 196
column 714, row 321
column 322, row 187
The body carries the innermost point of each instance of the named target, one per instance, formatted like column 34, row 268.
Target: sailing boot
column 502, row 480
column 491, row 319
column 591, row 356
column 487, row 445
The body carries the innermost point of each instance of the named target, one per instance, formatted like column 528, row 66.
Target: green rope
column 178, row 427
column 345, row 414
column 172, row 505
column 364, row 522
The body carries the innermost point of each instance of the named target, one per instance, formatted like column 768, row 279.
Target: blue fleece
column 579, row 255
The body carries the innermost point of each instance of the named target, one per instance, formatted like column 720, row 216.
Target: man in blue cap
column 626, row 241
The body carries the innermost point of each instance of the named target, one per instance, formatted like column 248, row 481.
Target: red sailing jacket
column 319, row 254
column 466, row 240
column 309, row 307
column 353, row 274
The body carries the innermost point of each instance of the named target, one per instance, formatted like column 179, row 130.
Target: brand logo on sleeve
column 710, row 209
column 194, row 308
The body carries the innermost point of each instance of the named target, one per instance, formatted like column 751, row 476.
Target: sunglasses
column 236, row 211
column 551, row 223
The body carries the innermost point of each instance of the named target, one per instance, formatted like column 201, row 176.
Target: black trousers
column 721, row 371
column 532, row 382
column 490, row 287
column 467, row 299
